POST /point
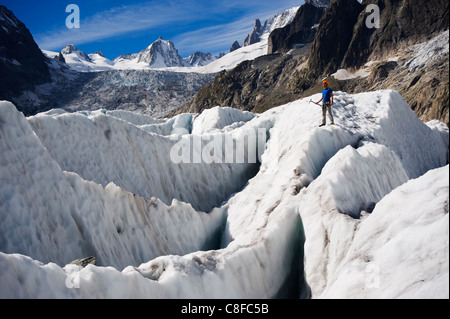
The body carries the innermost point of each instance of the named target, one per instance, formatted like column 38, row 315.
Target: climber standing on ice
column 328, row 101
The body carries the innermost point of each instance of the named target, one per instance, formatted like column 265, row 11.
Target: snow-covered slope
column 294, row 230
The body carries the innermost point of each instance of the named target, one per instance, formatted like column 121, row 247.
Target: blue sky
column 119, row 27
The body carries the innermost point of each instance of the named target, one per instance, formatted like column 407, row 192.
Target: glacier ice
column 320, row 211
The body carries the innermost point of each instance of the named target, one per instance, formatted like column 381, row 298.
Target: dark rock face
column 402, row 22
column 22, row 64
column 235, row 46
column 301, row 30
column 334, row 36
column 60, row 58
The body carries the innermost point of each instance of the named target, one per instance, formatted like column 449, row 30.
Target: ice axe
column 311, row 101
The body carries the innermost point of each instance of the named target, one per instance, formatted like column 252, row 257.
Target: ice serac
column 401, row 249
column 151, row 92
column 107, row 149
column 350, row 184
column 293, row 231
column 56, row 216
column 218, row 118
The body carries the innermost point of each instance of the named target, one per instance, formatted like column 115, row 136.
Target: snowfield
column 355, row 210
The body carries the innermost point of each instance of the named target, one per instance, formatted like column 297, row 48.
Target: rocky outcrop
column 261, row 31
column 300, row 31
column 22, row 63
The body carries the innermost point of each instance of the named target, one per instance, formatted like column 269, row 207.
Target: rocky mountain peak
column 255, row 35
column 235, row 46
column 161, row 53
column 71, row 49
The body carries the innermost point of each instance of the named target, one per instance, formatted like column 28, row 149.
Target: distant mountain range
column 162, row 54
